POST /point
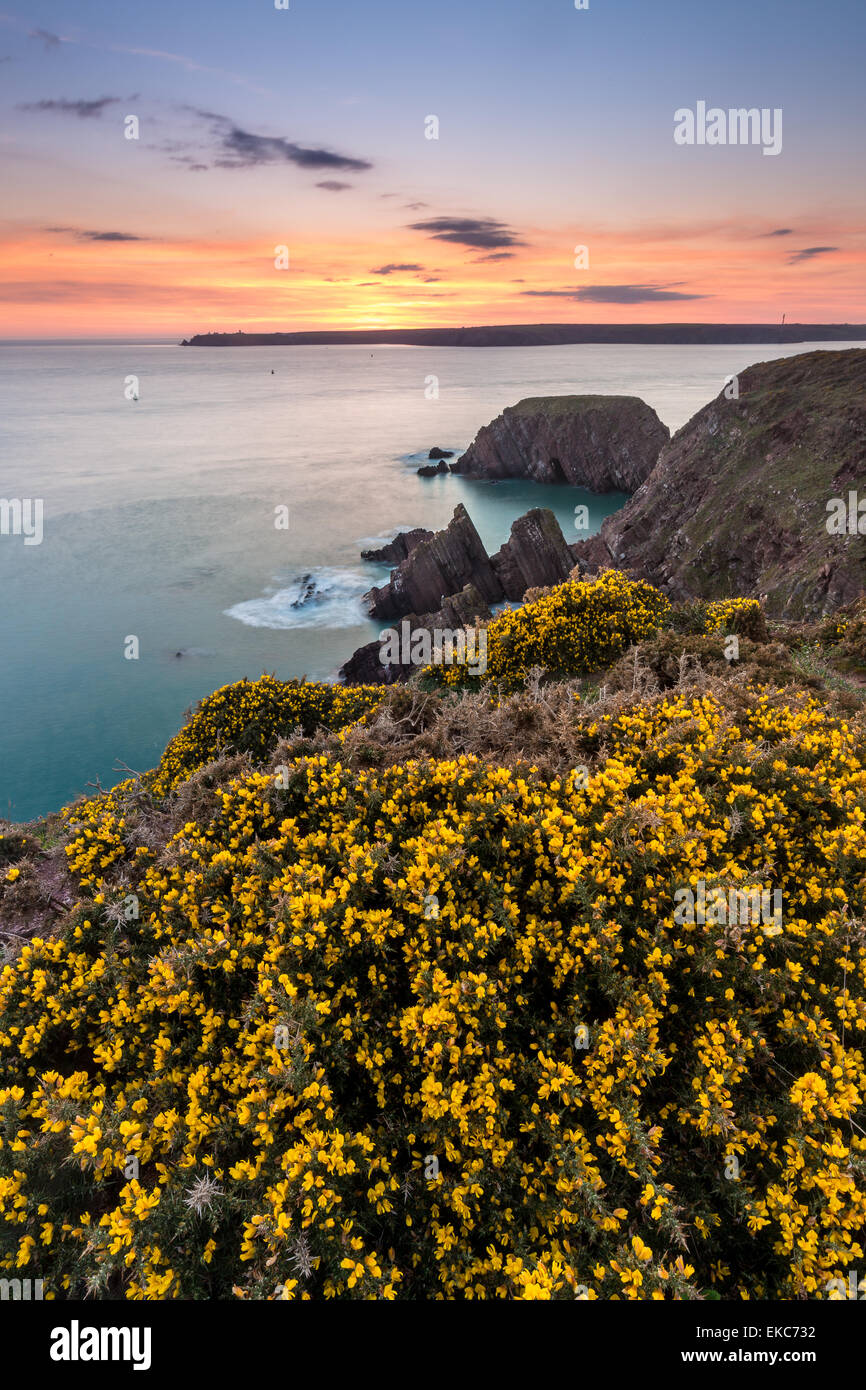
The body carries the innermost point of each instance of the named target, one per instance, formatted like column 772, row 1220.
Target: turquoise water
column 159, row 518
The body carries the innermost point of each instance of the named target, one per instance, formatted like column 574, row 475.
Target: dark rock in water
column 441, row 453
column 397, row 549
column 365, row 666
column 430, row 470
column 535, row 556
column 449, row 582
column 605, row 443
column 738, row 502
column 308, row 589
column 460, row 610
column 435, row 568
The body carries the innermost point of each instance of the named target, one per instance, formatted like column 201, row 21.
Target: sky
column 413, row 163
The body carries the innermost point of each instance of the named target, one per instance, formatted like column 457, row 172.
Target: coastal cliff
column 604, row 443
column 738, row 501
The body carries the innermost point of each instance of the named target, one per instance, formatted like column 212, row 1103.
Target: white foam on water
column 335, row 602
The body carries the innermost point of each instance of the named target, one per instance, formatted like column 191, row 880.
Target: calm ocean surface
column 159, row 517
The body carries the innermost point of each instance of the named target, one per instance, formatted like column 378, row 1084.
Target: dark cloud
column 780, row 231
column 50, row 40
column 96, row 236
column 613, row 294
column 482, row 232
column 242, row 149
column 81, row 108
column 333, row 185
column 415, row 207
column 394, row 269
column 809, row 253
column 495, row 256
column 111, row 236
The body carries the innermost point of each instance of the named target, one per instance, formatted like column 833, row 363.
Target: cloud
column 483, row 232
column 242, row 149
column 809, row 253
column 95, row 236
column 189, row 161
column 613, row 294
column 82, row 109
column 50, row 40
column 111, row 236
column 333, row 185
column 414, row 207
column 495, row 256
column 393, row 269
column 779, row 231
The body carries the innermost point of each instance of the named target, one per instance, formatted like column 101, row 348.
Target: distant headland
column 546, row 335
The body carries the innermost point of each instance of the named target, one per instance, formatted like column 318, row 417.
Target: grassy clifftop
column 737, row 503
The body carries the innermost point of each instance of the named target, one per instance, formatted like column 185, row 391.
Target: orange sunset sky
column 308, row 128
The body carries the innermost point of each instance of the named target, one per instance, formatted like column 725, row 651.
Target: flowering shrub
column 250, row 716
column 434, row 1031
column 575, row 628
column 738, row 615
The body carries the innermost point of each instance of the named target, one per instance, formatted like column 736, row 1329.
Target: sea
column 212, row 504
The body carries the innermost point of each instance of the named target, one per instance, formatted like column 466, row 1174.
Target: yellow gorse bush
column 435, row 1032
column 577, row 627
column 249, row 716
column 739, row 615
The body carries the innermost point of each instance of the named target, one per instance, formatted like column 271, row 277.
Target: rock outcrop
column 437, row 567
column 448, row 582
column 398, row 549
column 604, row 443
column 738, row 502
column 430, row 470
column 535, row 555
column 365, row 666
column 437, row 453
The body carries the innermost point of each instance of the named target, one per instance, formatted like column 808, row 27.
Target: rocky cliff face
column 436, row 568
column 737, row 503
column 448, row 581
column 365, row 666
column 605, row 443
column 397, row 549
column 535, row 554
